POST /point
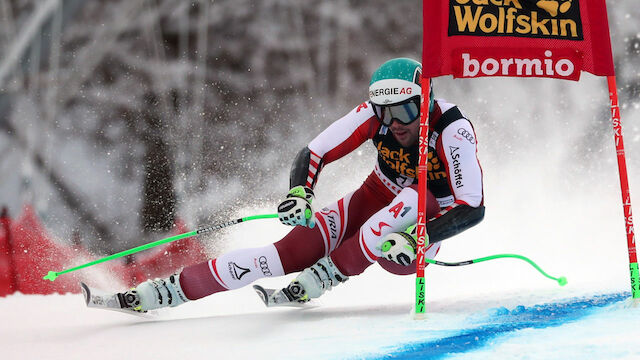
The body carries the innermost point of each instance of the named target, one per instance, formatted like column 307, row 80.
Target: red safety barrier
column 6, row 267
column 28, row 252
column 35, row 253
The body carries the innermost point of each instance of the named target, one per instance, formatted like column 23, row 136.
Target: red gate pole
column 422, row 199
column 624, row 186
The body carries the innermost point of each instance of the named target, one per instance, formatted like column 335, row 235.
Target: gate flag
column 523, row 38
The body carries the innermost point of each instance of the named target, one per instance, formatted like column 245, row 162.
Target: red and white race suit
column 351, row 229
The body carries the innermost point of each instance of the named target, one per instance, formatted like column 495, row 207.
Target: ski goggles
column 404, row 112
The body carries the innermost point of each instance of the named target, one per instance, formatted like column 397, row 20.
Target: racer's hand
column 399, row 247
column 296, row 209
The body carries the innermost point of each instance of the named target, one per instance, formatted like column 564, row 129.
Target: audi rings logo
column 467, row 135
column 264, row 266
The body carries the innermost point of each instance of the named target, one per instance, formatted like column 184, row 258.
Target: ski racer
column 365, row 226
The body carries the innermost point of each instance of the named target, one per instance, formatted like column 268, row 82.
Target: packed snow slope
column 367, row 320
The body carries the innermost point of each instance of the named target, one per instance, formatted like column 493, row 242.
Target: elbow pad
column 300, row 174
column 455, row 221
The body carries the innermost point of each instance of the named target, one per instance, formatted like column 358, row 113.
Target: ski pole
column 52, row 275
column 562, row 281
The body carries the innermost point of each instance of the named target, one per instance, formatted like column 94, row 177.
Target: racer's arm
column 339, row 139
column 457, row 146
column 336, row 141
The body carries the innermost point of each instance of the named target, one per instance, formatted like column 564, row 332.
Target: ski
column 98, row 299
column 275, row 298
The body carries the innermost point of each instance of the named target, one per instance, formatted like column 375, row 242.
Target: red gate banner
column 522, row 38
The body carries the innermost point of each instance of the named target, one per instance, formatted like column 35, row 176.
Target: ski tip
column 262, row 293
column 86, row 292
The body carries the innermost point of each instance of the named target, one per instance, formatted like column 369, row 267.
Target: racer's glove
column 296, row 209
column 400, row 247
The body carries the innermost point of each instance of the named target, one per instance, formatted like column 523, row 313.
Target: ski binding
column 99, row 299
column 276, row 298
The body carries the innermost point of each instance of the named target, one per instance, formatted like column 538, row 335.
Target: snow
column 358, row 321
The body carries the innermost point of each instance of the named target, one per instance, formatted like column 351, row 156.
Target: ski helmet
column 396, row 82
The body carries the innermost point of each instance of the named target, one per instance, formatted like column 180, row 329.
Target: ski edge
column 265, row 295
column 88, row 291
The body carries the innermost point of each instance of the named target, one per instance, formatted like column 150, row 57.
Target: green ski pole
column 52, row 275
column 562, row 281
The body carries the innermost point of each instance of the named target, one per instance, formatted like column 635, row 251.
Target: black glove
column 296, row 209
column 399, row 247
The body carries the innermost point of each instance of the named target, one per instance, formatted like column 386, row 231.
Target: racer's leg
column 361, row 250
column 299, row 249
column 356, row 253
column 336, row 222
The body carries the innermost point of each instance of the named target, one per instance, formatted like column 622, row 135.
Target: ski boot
column 311, row 283
column 155, row 294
